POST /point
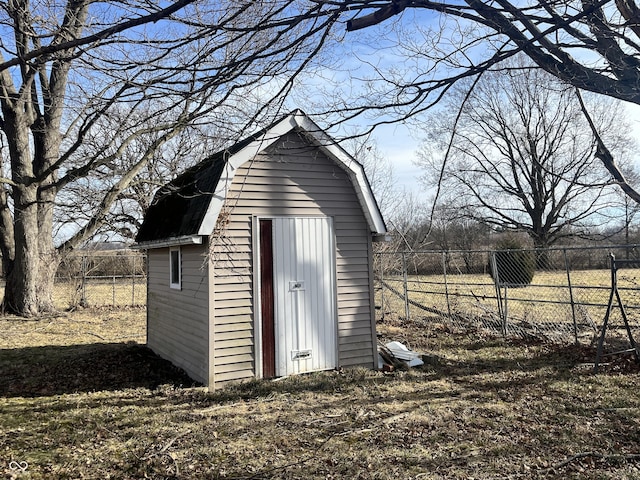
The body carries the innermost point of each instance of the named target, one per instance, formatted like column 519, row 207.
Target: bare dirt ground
column 81, row 397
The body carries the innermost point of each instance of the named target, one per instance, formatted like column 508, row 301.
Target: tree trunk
column 21, row 296
column 32, row 259
column 543, row 260
column 49, row 262
column 7, row 246
column 46, row 151
column 30, row 279
column 49, row 258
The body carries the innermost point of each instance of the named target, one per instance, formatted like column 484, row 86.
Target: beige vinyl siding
column 177, row 320
column 298, row 181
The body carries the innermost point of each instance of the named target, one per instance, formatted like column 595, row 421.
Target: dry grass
column 84, row 326
column 100, row 293
column 487, row 409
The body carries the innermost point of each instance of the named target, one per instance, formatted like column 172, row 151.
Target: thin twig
column 172, row 441
column 292, row 464
column 600, row 456
column 166, row 446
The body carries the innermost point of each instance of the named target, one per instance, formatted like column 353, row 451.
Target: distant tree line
column 462, row 245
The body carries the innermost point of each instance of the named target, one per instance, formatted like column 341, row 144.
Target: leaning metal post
column 446, row 283
column 573, row 304
column 614, row 290
column 406, row 289
column 614, row 287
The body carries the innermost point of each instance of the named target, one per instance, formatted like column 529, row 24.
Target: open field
column 81, row 398
column 99, row 292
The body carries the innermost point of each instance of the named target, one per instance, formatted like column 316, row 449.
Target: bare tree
column 522, row 157
column 409, row 222
column 379, row 171
column 83, row 82
column 69, row 68
column 592, row 45
column 625, row 209
column 451, row 229
column 78, row 201
column 553, row 35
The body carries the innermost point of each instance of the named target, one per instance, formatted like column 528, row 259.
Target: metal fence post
column 381, row 258
column 405, row 283
column 505, row 320
column 133, row 282
column 83, row 286
column 446, row 283
column 496, row 283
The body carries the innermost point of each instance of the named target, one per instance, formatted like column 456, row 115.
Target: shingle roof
column 178, row 208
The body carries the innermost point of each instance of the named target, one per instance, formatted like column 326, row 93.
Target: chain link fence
column 113, row 278
column 565, row 297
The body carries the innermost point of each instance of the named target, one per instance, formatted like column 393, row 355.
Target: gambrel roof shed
column 259, row 259
column 189, row 206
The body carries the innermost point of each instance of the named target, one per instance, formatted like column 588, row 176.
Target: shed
column 260, row 259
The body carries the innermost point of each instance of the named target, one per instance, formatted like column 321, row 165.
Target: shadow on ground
column 54, row 370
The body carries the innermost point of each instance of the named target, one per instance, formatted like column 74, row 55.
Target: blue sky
column 398, row 144
column 354, row 58
column 362, row 52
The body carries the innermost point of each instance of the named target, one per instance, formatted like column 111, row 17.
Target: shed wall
column 177, row 320
column 297, row 180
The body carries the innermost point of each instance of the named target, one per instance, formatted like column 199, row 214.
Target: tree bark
column 20, row 295
column 31, row 121
column 33, row 261
column 7, row 247
column 48, row 256
column 22, row 276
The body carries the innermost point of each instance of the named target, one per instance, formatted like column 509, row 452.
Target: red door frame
column 267, row 299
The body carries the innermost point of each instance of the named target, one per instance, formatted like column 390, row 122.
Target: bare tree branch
column 61, row 44
column 605, row 155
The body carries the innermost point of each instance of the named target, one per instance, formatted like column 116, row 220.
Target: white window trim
column 172, row 284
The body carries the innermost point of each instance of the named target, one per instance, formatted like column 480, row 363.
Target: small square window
column 175, row 268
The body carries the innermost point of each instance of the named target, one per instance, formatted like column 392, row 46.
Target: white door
column 304, row 295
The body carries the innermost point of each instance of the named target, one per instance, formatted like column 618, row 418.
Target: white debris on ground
column 396, row 355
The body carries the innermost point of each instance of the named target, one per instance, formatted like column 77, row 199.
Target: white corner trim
column 169, row 242
column 236, row 161
column 353, row 168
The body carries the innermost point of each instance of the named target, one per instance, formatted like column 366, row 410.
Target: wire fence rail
column 568, row 296
column 115, row 278
column 557, row 295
